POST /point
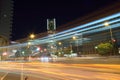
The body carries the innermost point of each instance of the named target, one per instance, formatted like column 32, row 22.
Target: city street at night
column 59, row 40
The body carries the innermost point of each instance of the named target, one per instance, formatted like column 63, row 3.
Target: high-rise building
column 6, row 11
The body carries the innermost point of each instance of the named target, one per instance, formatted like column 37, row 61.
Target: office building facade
column 6, row 11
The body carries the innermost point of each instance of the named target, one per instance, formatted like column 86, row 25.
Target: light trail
column 66, row 36
column 79, row 29
column 102, row 29
column 65, row 71
column 88, row 24
column 92, row 29
column 85, row 29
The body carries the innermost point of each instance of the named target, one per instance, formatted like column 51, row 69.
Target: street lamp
column 60, row 48
column 32, row 36
column 29, row 43
column 111, row 34
column 75, row 38
column 28, row 46
column 59, row 43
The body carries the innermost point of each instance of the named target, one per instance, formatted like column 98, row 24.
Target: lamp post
column 75, row 38
column 32, row 36
column 60, row 44
column 111, row 33
column 29, row 43
column 60, row 48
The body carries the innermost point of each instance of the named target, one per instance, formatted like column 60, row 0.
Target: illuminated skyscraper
column 6, row 11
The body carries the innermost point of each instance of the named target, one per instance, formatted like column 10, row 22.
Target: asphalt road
column 58, row 71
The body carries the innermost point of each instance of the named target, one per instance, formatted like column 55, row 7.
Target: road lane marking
column 6, row 68
column 4, row 76
column 22, row 72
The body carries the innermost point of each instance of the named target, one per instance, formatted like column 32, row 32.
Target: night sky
column 30, row 15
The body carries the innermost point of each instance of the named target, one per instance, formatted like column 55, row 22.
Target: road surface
column 58, row 71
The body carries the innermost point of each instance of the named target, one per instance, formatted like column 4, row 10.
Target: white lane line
column 7, row 68
column 22, row 71
column 4, row 76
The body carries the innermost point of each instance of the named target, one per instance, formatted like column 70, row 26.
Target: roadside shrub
column 105, row 49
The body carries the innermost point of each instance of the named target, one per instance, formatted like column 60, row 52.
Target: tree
column 105, row 49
